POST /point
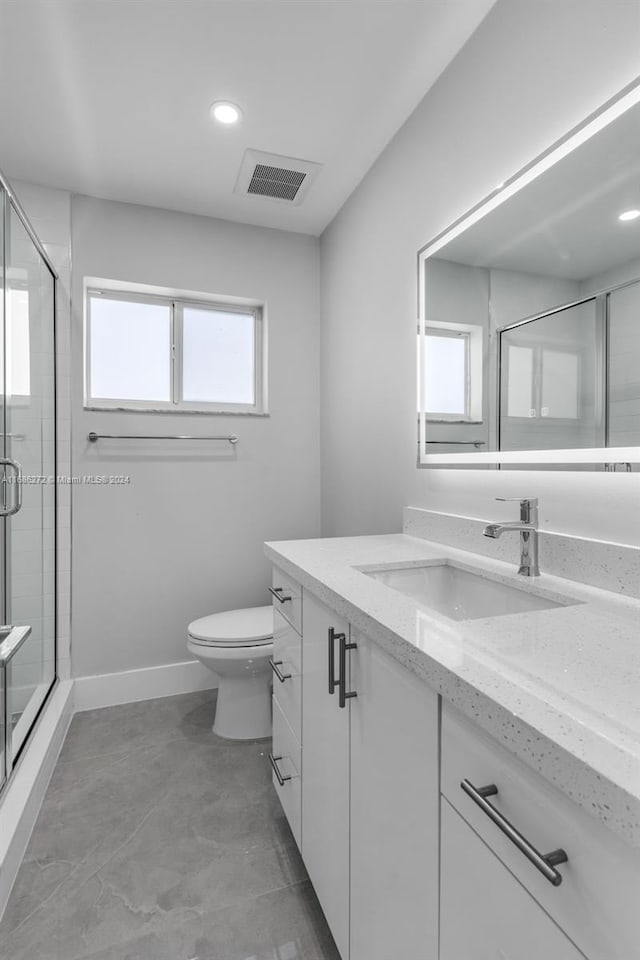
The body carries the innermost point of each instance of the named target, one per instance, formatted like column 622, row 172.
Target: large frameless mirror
column 529, row 312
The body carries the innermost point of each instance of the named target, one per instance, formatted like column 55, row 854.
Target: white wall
column 184, row 538
column 529, row 73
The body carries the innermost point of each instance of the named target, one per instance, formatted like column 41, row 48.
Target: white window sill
column 183, row 411
column 452, row 420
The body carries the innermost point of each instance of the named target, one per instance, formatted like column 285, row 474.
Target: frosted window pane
column 130, row 350
column 559, row 384
column 446, row 375
column 18, row 348
column 520, row 387
column 218, row 356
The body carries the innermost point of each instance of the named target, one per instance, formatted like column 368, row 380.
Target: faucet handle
column 528, row 507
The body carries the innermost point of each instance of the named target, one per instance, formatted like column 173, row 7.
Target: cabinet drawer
column 287, row 758
column 597, row 902
column 287, row 598
column 485, row 914
column 287, row 658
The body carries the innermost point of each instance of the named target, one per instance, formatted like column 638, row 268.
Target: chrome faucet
column 528, row 527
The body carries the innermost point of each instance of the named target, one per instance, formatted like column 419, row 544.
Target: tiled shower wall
column 50, row 214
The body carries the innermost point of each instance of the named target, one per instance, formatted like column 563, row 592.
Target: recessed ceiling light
column 629, row 215
column 225, row 112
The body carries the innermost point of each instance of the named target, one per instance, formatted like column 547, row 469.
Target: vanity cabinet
column 403, row 810
column 369, row 792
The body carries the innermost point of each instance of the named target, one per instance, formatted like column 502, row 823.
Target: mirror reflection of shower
column 570, row 377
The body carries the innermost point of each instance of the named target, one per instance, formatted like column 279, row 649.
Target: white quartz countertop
column 558, row 687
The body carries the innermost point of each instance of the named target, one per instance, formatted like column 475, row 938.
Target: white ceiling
column 111, row 97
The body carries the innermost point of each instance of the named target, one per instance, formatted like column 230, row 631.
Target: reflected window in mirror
column 551, row 381
column 446, row 373
column 452, row 371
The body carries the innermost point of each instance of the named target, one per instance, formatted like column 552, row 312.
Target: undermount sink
column 460, row 594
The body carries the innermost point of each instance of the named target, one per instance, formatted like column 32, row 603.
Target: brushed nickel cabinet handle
column 274, row 763
column 274, row 664
column 276, row 592
column 544, row 862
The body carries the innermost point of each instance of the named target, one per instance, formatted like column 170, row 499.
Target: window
column 446, row 374
column 451, row 371
column 17, row 344
column 159, row 353
column 542, row 383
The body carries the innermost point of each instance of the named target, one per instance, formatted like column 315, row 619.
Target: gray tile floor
column 157, row 840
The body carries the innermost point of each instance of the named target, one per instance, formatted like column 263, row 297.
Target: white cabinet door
column 394, row 810
column 485, row 913
column 325, row 770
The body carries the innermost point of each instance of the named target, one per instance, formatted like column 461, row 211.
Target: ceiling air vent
column 279, row 178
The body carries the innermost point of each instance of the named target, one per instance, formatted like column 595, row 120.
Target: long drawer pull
column 342, row 681
column 274, row 763
column 276, row 592
column 274, row 664
column 332, row 636
column 544, row 862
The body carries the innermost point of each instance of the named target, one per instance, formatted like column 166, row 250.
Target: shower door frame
column 10, row 202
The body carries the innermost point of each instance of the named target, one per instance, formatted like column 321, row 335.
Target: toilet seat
column 250, row 627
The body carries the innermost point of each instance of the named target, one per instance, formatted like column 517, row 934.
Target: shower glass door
column 28, row 490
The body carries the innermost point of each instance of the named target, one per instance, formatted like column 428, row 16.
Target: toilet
column 238, row 645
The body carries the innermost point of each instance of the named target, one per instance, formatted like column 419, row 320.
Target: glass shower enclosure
column 27, row 481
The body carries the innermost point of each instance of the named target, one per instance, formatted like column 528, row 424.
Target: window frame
column 176, row 305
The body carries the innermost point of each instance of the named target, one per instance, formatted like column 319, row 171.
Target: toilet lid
column 252, row 625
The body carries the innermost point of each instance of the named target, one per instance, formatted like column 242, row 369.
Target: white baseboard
column 23, row 797
column 129, row 686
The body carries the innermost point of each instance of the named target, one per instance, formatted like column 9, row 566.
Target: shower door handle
column 17, row 499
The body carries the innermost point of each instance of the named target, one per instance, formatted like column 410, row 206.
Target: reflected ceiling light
column 225, row 112
column 629, row 215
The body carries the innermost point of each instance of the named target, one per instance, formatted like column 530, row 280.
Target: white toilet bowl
column 237, row 645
